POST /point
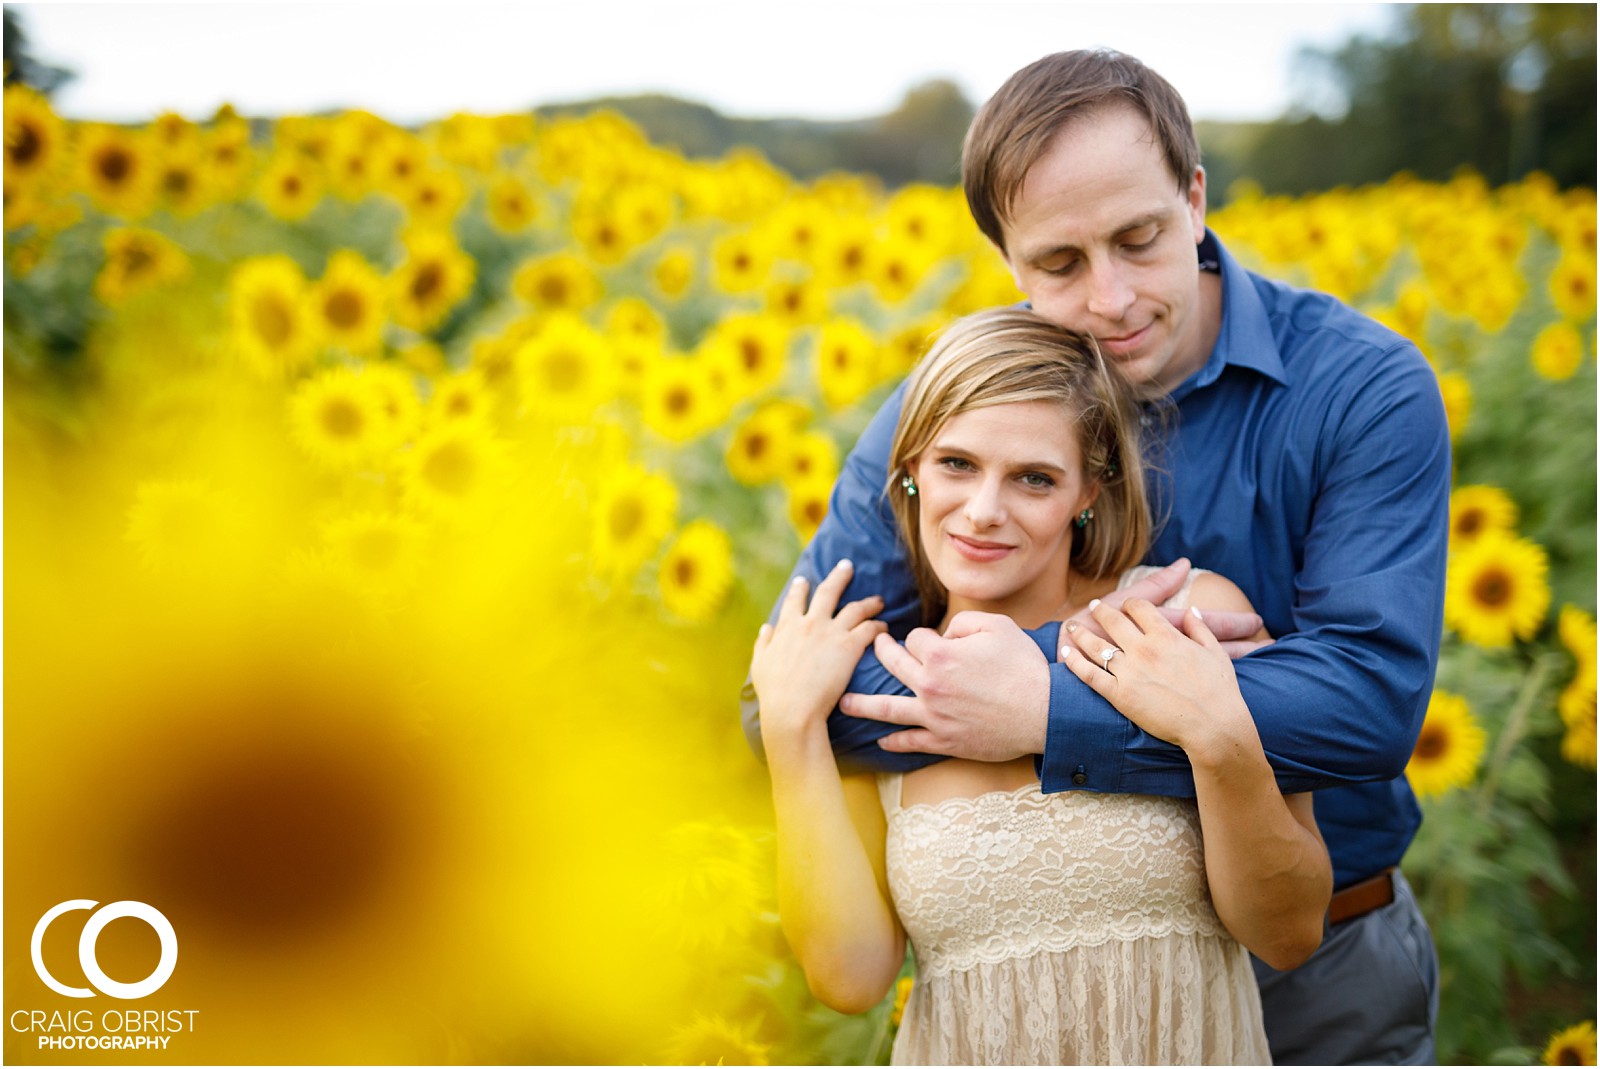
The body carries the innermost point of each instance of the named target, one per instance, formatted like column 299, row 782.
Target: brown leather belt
column 1362, row 898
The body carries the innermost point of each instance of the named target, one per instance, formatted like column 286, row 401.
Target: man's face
column 1102, row 241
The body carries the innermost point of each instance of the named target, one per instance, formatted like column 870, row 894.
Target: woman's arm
column 833, row 894
column 1265, row 861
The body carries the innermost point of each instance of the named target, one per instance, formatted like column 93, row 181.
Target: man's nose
column 1110, row 293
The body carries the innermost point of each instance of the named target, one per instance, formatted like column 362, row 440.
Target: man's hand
column 982, row 691
column 1234, row 631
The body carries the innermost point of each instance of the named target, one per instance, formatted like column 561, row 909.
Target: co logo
column 86, row 946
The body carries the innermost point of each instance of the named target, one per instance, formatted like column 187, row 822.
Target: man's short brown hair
column 1014, row 129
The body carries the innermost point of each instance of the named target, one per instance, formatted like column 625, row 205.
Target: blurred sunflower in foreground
column 1449, row 748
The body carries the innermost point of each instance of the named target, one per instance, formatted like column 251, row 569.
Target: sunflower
column 35, row 136
column 182, row 180
column 1496, row 590
column 137, row 261
column 677, row 399
column 714, row 1040
column 797, row 303
column 813, row 456
column 336, row 418
column 349, row 303
column 845, row 255
column 274, row 323
column 558, row 282
column 1576, row 706
column 635, row 318
column 1558, row 351
column 566, row 371
column 1572, row 1046
column 753, row 349
column 512, row 207
column 452, row 467
column 382, row 550
column 462, row 396
column 1572, row 286
column 1479, row 510
column 1449, row 747
column 741, row 262
column 847, row 361
column 633, row 512
column 178, row 523
column 674, row 273
column 117, row 169
column 401, row 159
column 394, row 392
column 289, row 187
column 1457, row 394
column 228, row 155
column 758, row 451
column 808, row 504
column 603, row 237
column 435, row 277
column 902, row 995
column 1577, row 631
column 897, row 269
column 697, row 572
column 434, row 197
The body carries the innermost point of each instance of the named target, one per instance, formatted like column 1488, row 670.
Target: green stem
column 1511, row 734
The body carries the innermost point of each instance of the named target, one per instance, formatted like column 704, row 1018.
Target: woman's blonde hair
column 1008, row 356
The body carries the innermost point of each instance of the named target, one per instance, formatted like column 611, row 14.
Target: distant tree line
column 1502, row 88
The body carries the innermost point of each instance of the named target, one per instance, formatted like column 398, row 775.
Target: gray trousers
column 1368, row 996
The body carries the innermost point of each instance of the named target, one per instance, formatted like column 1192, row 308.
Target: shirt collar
column 1245, row 338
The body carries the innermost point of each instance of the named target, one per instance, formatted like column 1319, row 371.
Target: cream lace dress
column 1071, row 928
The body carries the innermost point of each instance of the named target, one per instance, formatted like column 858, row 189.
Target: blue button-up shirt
column 1309, row 462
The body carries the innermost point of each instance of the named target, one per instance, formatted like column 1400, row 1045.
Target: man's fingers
column 1148, row 617
column 889, row 708
column 901, row 662
column 763, row 637
column 1232, row 626
column 972, row 621
column 1239, row 647
column 922, row 642
column 868, row 630
column 1156, row 587
column 826, row 600
column 913, row 740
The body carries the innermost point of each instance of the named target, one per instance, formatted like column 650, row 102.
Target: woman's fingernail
column 845, row 563
column 1196, row 610
column 1071, row 627
column 1094, row 604
column 1066, row 652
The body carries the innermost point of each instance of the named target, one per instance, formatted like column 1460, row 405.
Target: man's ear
column 1197, row 203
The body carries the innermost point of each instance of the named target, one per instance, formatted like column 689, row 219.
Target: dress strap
column 889, row 791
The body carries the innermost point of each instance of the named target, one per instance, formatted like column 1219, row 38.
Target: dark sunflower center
column 1470, row 523
column 344, row 309
column 626, row 517
column 341, row 419
column 25, row 145
column 273, row 322
column 679, row 400
column 553, row 289
column 114, row 166
column 754, row 355
column 684, row 571
column 429, row 281
column 1493, row 589
column 755, row 446
column 1431, row 744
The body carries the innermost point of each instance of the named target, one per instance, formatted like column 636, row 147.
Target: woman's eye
column 1038, row 481
column 956, row 464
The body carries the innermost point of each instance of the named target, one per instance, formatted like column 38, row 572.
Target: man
column 1307, row 459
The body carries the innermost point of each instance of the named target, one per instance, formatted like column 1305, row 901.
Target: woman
column 1069, row 928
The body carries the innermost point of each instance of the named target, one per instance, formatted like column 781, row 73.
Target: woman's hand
column 1176, row 685
column 801, row 666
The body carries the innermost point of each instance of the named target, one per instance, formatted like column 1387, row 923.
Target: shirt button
column 1079, row 779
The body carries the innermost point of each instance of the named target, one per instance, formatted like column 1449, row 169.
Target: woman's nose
column 984, row 508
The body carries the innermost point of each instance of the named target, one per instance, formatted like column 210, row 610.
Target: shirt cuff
column 1080, row 752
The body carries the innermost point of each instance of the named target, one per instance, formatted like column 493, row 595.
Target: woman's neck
column 1035, row 609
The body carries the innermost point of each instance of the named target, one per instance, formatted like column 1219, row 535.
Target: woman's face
column 999, row 489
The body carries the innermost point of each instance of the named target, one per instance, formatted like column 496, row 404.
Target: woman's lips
column 976, row 550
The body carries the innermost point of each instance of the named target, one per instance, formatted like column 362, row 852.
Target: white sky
column 759, row 58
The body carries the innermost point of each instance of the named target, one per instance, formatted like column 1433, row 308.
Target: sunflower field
column 390, row 512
